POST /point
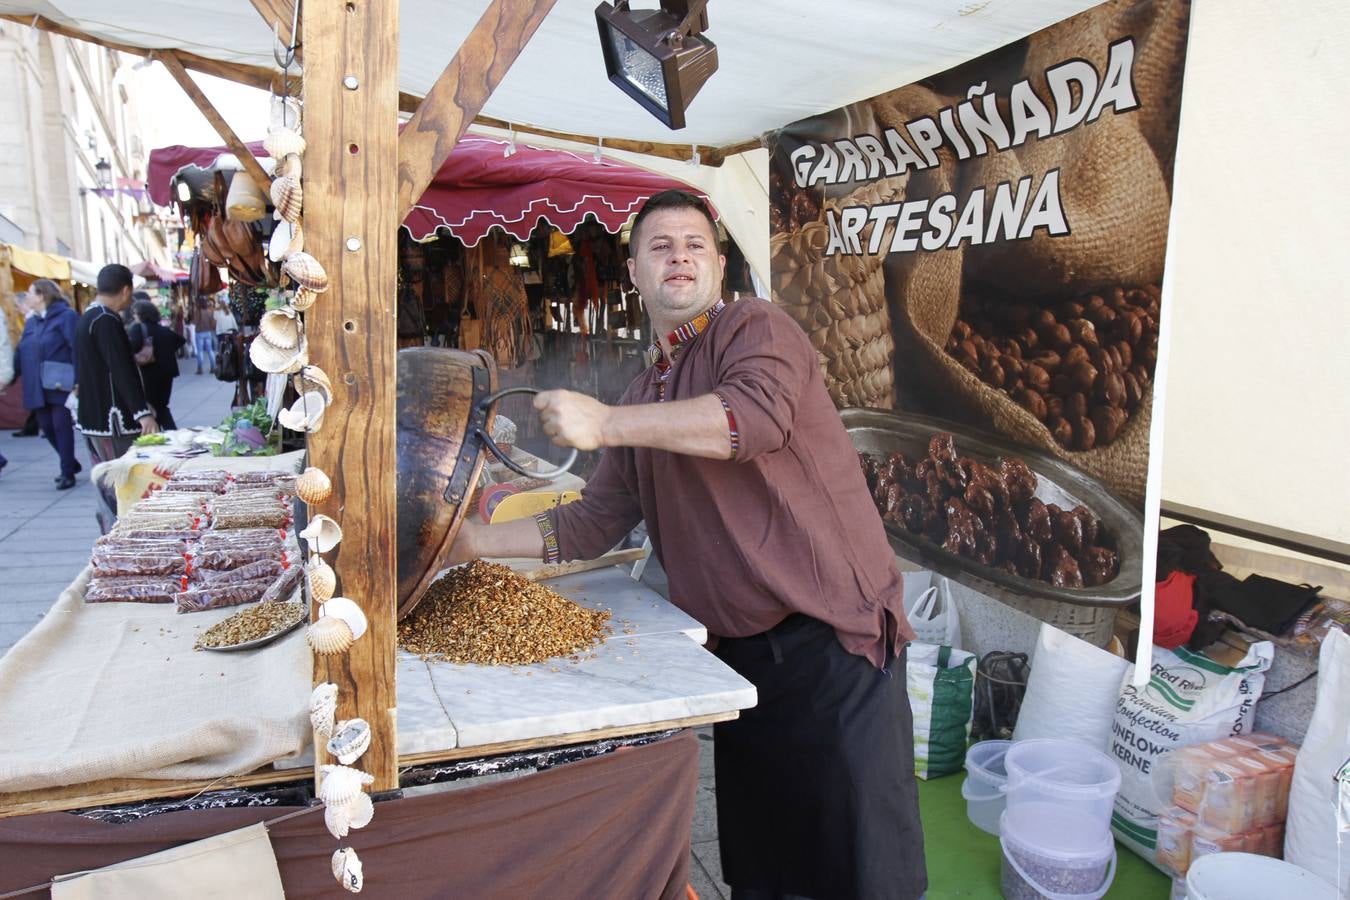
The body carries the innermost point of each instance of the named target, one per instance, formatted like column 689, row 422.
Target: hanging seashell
column 322, row 579
column 305, row 414
column 304, row 298
column 346, row 610
column 360, row 810
column 341, row 784
column 347, row 870
column 275, row 360
column 350, row 739
column 281, row 327
column 313, row 485
column 297, row 240
column 329, row 635
column 322, row 534
column 323, row 707
column 280, row 242
column 307, row 272
column 312, row 378
column 338, row 819
column 282, row 142
column 287, row 197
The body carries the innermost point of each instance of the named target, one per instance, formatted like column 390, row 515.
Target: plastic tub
column 984, row 784
column 1245, row 876
column 1069, row 775
column 1050, row 854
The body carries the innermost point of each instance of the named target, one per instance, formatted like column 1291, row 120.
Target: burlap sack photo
column 840, row 301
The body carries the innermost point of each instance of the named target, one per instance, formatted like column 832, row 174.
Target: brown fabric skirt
column 611, row 826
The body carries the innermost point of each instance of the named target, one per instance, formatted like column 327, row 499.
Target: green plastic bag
column 941, row 685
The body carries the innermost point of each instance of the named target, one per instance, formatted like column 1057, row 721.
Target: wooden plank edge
column 117, row 791
column 565, row 740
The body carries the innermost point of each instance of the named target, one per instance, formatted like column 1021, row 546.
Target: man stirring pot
column 729, row 447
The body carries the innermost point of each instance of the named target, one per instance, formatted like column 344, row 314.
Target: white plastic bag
column 1189, row 699
column 1071, row 692
column 934, row 615
column 1313, row 838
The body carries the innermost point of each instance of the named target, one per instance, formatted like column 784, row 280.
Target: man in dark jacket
column 113, row 407
column 45, row 359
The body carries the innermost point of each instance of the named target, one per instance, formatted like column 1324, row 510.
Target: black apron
column 816, row 795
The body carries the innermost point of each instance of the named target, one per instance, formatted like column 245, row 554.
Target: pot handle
column 505, row 458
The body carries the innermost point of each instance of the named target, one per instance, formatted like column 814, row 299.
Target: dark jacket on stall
column 112, row 396
column 46, row 338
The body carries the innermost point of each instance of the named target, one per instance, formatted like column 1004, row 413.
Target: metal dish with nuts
column 878, row 434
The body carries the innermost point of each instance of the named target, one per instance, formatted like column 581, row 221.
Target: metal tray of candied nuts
column 880, row 432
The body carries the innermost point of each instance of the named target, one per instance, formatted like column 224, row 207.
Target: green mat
column 963, row 861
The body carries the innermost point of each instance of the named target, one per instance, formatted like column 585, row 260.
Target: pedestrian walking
column 204, row 324
column 155, row 348
column 113, row 409
column 45, row 360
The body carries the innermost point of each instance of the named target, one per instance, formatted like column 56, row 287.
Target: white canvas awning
column 780, row 62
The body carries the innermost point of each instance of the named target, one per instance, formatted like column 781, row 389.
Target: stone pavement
column 46, row 534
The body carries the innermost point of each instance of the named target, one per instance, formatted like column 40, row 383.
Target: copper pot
column 445, row 413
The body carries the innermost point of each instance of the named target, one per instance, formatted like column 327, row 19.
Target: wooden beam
column 254, row 76
column 246, row 158
column 455, row 99
column 351, row 227
column 277, row 12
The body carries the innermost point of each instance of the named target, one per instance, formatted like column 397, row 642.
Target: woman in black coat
column 161, row 369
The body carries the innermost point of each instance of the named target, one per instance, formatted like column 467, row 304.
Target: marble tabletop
column 651, row 669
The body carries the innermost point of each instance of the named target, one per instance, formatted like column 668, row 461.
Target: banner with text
column 986, row 246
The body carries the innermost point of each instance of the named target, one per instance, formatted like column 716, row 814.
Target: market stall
column 1071, row 461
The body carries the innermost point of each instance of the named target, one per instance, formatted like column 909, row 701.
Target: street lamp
column 103, row 172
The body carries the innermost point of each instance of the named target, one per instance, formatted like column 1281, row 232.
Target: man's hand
column 464, row 548
column 572, row 419
column 148, row 425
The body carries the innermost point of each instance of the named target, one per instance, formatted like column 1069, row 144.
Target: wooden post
column 351, row 226
column 478, row 66
column 238, row 147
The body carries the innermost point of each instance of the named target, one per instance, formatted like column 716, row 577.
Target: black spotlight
column 659, row 57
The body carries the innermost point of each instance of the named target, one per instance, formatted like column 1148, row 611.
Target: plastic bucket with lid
column 1052, row 854
column 984, row 785
column 1246, row 876
column 1069, row 775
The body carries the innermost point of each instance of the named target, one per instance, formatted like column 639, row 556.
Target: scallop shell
column 281, row 327
column 338, row 819
column 322, row 579
column 304, row 298
column 305, row 414
column 313, row 485
column 346, row 610
column 275, row 360
column 282, row 142
column 322, row 533
column 342, row 784
column 312, row 378
column 351, row 738
column 360, row 810
column 347, row 870
column 279, row 244
column 323, row 707
column 329, row 635
column 307, row 271
column 287, row 197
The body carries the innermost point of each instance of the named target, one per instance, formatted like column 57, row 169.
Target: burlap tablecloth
column 115, row 690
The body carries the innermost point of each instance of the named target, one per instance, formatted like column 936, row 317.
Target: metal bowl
column 880, row 432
